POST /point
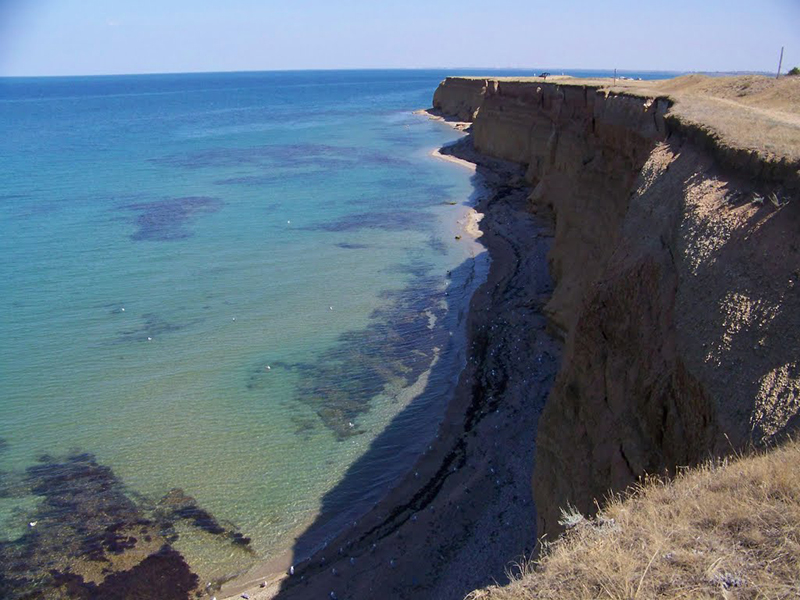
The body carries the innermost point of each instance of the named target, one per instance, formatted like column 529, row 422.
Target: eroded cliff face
column 676, row 283
column 459, row 97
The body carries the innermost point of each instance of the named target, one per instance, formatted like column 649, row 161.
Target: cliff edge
column 676, row 260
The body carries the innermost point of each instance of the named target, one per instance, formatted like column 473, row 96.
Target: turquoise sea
column 223, row 284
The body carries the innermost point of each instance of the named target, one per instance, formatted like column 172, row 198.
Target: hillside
column 675, row 260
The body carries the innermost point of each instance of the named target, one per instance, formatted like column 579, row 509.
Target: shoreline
column 452, row 159
column 464, row 511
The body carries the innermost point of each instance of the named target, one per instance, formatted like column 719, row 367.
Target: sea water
column 231, row 285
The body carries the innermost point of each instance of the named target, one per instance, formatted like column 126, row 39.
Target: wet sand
column 464, row 513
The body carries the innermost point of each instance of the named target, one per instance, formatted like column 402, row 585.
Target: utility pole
column 780, row 62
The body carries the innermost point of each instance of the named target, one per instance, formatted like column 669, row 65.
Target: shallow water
column 222, row 283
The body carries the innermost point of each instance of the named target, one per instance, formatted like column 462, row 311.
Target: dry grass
column 752, row 112
column 728, row 529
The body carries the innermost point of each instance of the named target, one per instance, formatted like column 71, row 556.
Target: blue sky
column 67, row 37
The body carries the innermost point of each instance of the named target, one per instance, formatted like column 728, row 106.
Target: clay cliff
column 676, row 260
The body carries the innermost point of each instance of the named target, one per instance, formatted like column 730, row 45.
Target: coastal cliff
column 676, row 264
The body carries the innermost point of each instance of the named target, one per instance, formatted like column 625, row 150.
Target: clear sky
column 66, row 37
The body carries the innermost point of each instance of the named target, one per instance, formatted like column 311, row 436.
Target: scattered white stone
column 122, row 309
column 330, row 308
column 32, row 523
column 267, row 368
column 291, row 570
column 149, row 339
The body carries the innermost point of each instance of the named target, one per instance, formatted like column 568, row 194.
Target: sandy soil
column 464, row 513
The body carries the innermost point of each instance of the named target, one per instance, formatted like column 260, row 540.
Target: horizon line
column 355, row 69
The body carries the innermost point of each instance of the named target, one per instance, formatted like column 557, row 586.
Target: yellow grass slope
column 728, row 529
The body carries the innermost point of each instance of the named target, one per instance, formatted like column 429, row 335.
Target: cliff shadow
column 395, row 450
column 459, row 509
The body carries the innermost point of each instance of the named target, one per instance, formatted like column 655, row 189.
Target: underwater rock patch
column 163, row 575
column 438, row 246
column 283, row 156
column 152, row 327
column 395, row 348
column 399, row 220
column 251, row 180
column 89, row 539
column 4, row 197
column 167, row 220
column 177, row 505
column 349, row 246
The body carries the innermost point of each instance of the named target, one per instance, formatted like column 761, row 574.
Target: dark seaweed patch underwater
column 281, row 156
column 397, row 347
column 398, row 220
column 152, row 326
column 351, row 246
column 89, row 539
column 166, row 220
